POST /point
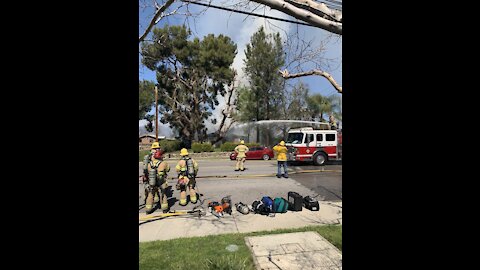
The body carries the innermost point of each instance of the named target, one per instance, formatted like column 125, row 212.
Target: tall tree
column 319, row 106
column 190, row 75
column 297, row 106
column 246, row 104
column 264, row 56
column 336, row 103
column 146, row 102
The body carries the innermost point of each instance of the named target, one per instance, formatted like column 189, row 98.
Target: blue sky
column 239, row 28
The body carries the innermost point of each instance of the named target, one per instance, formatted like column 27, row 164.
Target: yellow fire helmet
column 155, row 145
column 184, row 152
column 282, row 143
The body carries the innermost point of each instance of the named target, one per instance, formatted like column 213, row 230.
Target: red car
column 256, row 152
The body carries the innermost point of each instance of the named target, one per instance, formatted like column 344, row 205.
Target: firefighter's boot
column 242, row 161
column 193, row 195
column 237, row 166
column 149, row 205
column 183, row 198
column 164, row 202
column 156, row 199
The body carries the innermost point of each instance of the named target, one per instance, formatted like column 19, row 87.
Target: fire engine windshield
column 295, row 138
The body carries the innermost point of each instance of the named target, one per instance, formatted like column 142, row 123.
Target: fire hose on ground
column 196, row 212
column 252, row 175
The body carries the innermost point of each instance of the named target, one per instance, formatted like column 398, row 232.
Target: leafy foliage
column 264, row 57
column 191, row 74
column 146, row 99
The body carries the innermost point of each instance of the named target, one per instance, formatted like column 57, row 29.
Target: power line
column 247, row 13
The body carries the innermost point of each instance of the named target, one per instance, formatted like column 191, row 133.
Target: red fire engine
column 317, row 145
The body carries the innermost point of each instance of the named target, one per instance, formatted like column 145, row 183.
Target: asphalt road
column 217, row 178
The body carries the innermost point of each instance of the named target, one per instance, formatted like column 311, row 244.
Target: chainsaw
column 219, row 208
column 216, row 209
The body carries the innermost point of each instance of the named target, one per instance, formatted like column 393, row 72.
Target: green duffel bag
column 280, row 205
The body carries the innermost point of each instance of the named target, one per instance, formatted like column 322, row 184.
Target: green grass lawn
column 209, row 252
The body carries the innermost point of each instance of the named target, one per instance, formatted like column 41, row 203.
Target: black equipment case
column 311, row 204
column 295, row 201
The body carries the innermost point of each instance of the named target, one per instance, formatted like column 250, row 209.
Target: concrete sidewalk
column 294, row 251
column 189, row 226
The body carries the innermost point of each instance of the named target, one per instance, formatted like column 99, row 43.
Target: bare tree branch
column 305, row 15
column 158, row 13
column 318, row 8
column 226, row 114
column 329, row 77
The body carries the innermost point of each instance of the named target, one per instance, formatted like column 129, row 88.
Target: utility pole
column 156, row 113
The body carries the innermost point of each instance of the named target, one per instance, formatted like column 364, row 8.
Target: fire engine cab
column 317, row 145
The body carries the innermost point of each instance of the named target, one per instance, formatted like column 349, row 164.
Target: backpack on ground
column 258, row 207
column 264, row 206
column 280, row 205
column 268, row 204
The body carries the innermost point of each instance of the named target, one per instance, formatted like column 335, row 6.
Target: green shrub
column 207, row 147
column 196, row 147
column 169, row 145
column 228, row 146
column 252, row 144
column 142, row 153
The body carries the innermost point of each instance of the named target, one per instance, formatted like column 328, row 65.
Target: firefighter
column 281, row 150
column 333, row 123
column 187, row 169
column 157, row 182
column 146, row 159
column 241, row 151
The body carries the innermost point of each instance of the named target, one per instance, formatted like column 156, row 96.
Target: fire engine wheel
column 266, row 157
column 319, row 159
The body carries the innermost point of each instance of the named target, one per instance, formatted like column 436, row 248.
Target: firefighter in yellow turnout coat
column 187, row 169
column 157, row 182
column 281, row 151
column 146, row 159
column 241, row 151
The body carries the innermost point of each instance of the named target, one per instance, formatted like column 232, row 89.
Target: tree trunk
column 267, row 143
column 268, row 107
column 258, row 130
